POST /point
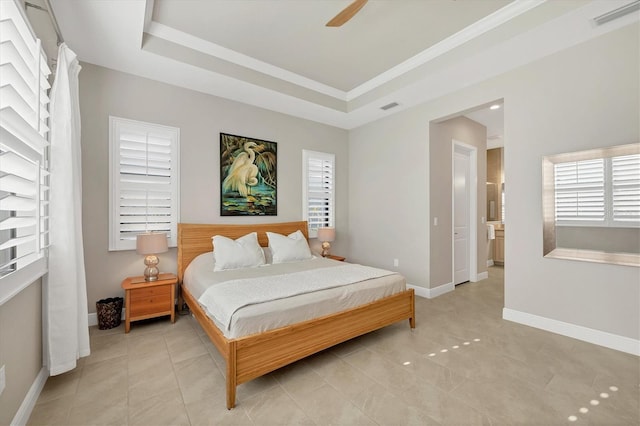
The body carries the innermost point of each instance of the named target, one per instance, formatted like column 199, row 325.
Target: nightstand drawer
column 150, row 292
column 151, row 305
column 149, row 299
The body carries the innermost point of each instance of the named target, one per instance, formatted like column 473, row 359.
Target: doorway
column 464, row 210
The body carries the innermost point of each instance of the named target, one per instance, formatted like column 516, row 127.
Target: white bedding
column 260, row 317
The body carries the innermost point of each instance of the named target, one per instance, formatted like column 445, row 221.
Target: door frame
column 472, row 152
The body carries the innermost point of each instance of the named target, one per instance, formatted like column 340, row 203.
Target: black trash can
column 109, row 312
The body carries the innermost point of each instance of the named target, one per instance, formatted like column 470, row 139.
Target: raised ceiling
column 278, row 54
column 291, row 34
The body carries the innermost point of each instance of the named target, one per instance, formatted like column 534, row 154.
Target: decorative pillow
column 289, row 248
column 245, row 252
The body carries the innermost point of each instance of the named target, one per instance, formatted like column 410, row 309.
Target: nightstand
column 149, row 299
column 334, row 257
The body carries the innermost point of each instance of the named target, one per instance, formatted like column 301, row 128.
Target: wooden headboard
column 195, row 239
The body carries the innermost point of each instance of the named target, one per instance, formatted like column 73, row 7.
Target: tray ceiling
column 278, row 54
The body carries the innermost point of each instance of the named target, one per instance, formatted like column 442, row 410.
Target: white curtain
column 66, row 293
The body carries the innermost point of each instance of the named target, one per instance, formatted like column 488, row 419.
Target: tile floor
column 462, row 365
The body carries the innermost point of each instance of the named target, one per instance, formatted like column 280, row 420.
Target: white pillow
column 288, row 248
column 245, row 252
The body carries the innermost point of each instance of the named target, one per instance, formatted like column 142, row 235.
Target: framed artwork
column 248, row 176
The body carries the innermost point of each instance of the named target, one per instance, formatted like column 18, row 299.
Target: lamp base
column 151, row 271
column 326, row 246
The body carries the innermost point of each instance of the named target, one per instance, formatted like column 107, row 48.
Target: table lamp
column 150, row 244
column 326, row 235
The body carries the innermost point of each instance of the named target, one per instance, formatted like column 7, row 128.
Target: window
column 591, row 205
column 625, row 189
column 580, row 191
column 598, row 192
column 144, row 177
column 318, row 196
column 23, row 152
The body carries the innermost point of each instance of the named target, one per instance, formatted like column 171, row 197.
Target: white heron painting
column 248, row 176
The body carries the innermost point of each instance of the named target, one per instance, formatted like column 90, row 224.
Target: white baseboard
column 481, row 276
column 602, row 338
column 489, row 262
column 440, row 290
column 93, row 318
column 29, row 401
column 430, row 293
column 419, row 291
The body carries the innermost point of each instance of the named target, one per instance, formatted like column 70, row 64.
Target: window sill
column 17, row 281
column 596, row 256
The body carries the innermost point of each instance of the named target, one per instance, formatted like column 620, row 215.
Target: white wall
column 580, row 98
column 201, row 118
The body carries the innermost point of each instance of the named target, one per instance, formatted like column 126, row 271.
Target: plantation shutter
column 625, row 172
column 320, row 190
column 145, row 180
column 23, row 148
column 580, row 191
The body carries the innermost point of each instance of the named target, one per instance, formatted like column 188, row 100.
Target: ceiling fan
column 346, row 14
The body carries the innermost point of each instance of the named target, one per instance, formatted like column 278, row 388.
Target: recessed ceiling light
column 495, row 106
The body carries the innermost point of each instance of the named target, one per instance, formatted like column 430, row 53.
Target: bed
column 255, row 355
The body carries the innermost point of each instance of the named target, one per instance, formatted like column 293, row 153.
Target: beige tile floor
column 462, row 365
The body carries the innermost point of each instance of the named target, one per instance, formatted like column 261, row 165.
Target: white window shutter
column 145, row 181
column 580, row 192
column 598, row 192
column 24, row 106
column 625, row 183
column 319, row 190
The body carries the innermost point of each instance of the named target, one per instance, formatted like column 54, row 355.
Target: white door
column 461, row 204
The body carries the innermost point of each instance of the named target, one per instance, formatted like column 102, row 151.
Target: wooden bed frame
column 252, row 356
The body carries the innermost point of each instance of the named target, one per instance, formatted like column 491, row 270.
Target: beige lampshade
column 151, row 243
column 326, row 234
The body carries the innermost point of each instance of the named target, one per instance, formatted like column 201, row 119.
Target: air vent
column 389, row 106
column 617, row 13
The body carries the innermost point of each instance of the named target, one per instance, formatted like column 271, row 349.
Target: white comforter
column 260, row 317
column 226, row 298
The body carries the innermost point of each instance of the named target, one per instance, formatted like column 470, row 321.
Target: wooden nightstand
column 144, row 299
column 334, row 257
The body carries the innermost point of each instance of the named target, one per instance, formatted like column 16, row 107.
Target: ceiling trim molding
column 474, row 30
column 98, row 42
column 196, row 43
column 489, row 22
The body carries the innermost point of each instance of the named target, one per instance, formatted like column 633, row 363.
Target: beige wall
column 586, row 97
column 581, row 98
column 441, row 136
column 20, row 347
column 389, row 196
column 201, row 118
